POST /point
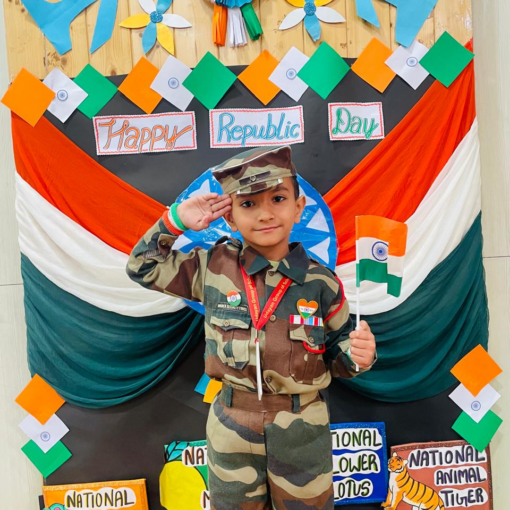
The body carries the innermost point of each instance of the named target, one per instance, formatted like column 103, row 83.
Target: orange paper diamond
column 476, row 369
column 213, row 388
column 40, row 400
column 28, row 97
column 137, row 86
column 256, row 77
column 371, row 65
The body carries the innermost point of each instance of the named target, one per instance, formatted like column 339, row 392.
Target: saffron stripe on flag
column 393, row 233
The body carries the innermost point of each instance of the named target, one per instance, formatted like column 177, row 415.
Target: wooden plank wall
column 27, row 47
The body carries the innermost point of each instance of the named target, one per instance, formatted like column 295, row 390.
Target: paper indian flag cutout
column 380, row 250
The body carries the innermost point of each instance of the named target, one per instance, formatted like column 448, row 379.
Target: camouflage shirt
column 289, row 363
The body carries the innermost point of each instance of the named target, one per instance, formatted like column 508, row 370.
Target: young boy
column 277, row 328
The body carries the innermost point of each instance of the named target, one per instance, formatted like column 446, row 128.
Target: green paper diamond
column 324, row 71
column 209, row 81
column 100, row 90
column 47, row 462
column 446, row 59
column 477, row 434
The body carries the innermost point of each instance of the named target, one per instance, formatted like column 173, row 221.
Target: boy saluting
column 277, row 329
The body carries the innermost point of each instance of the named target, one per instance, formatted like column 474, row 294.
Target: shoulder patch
column 229, row 240
column 221, row 240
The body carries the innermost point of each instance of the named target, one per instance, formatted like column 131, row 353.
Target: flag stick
column 357, row 318
column 357, row 308
column 357, row 298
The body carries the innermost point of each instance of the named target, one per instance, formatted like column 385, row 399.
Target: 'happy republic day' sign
column 137, row 134
column 355, row 121
column 455, row 470
column 230, row 128
column 243, row 127
column 359, row 463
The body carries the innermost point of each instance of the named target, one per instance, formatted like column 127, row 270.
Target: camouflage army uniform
column 278, row 449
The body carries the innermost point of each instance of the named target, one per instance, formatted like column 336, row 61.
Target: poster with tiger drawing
column 438, row 476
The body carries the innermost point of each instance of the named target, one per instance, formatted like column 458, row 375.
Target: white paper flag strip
column 236, row 28
column 45, row 436
column 406, row 63
column 476, row 407
column 168, row 83
column 285, row 75
column 68, row 95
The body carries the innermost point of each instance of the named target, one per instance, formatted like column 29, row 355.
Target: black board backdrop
column 126, row 441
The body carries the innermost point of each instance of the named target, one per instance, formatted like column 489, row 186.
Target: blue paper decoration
column 366, row 10
column 104, row 24
column 411, row 15
column 54, row 19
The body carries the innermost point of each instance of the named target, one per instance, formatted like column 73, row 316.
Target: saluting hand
column 199, row 212
column 362, row 345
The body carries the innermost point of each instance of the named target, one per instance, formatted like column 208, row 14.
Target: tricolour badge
column 234, row 298
column 307, row 308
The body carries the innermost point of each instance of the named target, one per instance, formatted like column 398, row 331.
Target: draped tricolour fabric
column 99, row 339
column 426, row 173
column 94, row 335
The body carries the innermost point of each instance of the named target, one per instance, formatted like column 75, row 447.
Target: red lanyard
column 259, row 320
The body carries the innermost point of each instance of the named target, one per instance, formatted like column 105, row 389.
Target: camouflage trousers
column 274, row 454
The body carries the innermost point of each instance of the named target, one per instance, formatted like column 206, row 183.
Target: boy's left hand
column 362, row 345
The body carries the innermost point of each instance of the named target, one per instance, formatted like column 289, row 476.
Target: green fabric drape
column 95, row 358
column 419, row 341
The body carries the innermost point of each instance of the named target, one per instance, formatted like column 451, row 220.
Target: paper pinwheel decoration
column 232, row 19
column 156, row 23
column 311, row 11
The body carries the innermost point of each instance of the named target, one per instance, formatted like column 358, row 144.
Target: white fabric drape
column 79, row 262
column 435, row 229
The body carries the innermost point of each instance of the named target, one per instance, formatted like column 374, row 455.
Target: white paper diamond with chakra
column 380, row 250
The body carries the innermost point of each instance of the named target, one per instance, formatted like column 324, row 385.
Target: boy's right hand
column 199, row 212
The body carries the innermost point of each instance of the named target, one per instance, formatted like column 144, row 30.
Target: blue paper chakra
column 476, row 406
column 380, row 251
column 316, row 231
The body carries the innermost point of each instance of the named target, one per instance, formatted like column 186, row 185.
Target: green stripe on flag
column 367, row 269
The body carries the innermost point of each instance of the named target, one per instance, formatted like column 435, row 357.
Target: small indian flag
column 380, row 250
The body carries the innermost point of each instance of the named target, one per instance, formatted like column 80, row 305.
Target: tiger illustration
column 404, row 488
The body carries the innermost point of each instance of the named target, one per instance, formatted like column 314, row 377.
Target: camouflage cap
column 255, row 170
